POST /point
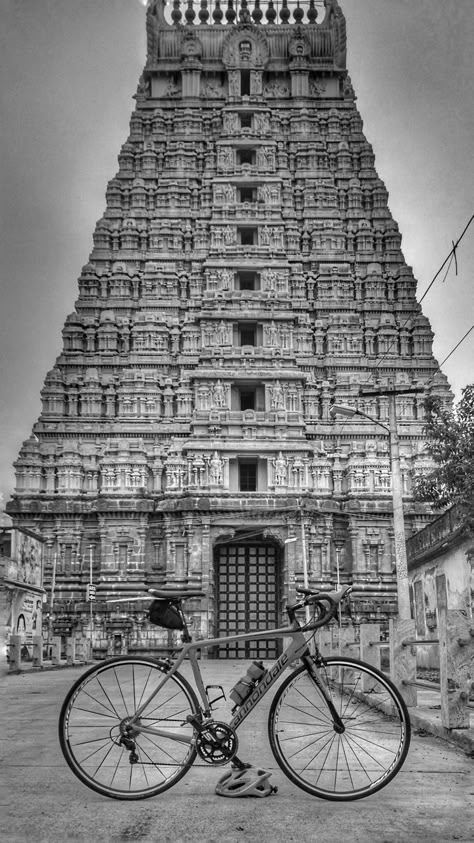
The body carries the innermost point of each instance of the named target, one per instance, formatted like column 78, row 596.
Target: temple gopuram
column 246, row 275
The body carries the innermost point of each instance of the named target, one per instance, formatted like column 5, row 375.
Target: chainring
column 217, row 743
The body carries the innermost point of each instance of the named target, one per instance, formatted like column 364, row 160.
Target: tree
column 450, row 439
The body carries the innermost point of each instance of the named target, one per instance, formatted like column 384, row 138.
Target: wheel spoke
column 97, row 717
column 99, row 702
column 320, row 758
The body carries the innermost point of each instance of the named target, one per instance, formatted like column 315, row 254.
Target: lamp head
column 337, row 410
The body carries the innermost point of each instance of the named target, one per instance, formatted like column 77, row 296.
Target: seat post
column 185, row 637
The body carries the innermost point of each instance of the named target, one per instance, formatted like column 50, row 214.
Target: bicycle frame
column 296, row 649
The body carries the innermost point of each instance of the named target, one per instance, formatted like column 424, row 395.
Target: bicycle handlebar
column 318, row 599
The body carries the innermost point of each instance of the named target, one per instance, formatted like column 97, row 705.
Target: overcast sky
column 69, row 69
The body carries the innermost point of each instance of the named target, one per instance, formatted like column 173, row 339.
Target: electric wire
column 457, row 345
column 452, row 252
column 449, row 259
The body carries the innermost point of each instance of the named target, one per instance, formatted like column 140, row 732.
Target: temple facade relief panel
column 265, row 159
column 269, row 194
column 287, row 471
column 223, row 236
column 279, row 335
column 224, row 194
column 216, row 334
column 275, row 281
column 271, row 237
column 219, row 280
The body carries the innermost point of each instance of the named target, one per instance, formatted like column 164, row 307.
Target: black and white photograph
column 237, row 414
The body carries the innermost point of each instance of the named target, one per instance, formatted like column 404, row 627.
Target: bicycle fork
column 311, row 664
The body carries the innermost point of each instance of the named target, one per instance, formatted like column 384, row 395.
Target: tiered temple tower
column 247, row 273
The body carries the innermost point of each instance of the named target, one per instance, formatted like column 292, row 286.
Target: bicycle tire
column 89, row 728
column 347, row 766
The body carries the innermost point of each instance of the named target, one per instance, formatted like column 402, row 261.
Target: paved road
column 432, row 799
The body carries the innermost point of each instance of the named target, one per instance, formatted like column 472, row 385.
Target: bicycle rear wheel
column 339, row 766
column 90, row 728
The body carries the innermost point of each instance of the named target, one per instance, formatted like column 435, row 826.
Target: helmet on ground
column 252, row 781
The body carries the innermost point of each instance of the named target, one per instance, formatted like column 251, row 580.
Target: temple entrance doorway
column 248, row 577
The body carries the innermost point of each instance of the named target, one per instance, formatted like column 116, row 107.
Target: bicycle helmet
column 252, row 781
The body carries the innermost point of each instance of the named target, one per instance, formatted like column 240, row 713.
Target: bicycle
column 131, row 727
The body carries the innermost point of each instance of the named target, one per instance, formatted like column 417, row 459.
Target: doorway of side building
column 248, row 576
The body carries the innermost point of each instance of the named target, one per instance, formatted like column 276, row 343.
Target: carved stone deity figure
column 224, row 278
column 212, row 90
column 280, row 470
column 225, row 157
column 222, row 334
column 271, row 278
column 271, row 332
column 264, row 193
column 219, row 395
column 260, row 123
column 264, row 235
column 277, row 397
column 229, row 236
column 215, row 470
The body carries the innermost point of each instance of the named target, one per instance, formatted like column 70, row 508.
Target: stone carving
column 224, row 193
column 271, row 334
column 299, row 47
column 225, row 158
column 245, row 46
column 215, row 470
column 172, row 90
column 219, row 395
column 211, row 91
column 277, row 397
column 276, row 90
column 316, row 89
column 280, row 472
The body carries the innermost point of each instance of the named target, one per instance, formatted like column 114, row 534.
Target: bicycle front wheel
column 92, row 721
column 339, row 765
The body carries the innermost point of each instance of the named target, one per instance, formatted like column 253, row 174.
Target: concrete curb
column 463, row 738
column 45, row 667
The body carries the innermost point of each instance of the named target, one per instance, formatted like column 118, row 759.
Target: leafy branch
column 450, row 439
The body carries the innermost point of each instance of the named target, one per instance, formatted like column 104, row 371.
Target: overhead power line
column 458, row 344
column 449, row 258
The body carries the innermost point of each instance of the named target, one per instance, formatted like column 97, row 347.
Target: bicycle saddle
column 174, row 593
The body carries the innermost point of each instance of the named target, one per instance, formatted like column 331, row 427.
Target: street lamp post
column 91, row 596
column 51, row 603
column 397, row 499
column 292, row 539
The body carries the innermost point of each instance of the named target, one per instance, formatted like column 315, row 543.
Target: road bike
column 132, row 726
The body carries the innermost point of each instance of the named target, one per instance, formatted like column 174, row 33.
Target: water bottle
column 246, row 684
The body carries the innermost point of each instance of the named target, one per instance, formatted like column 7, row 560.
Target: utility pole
column 391, row 393
column 90, row 596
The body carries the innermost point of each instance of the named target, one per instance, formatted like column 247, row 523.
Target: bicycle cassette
column 217, row 743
